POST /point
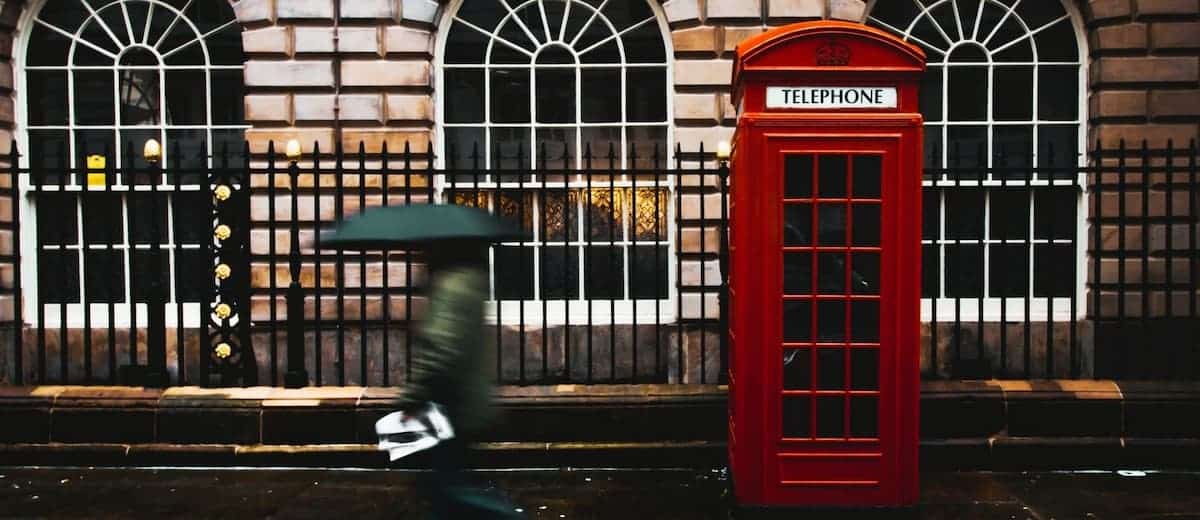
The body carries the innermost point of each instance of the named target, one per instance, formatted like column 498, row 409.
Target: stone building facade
column 332, row 73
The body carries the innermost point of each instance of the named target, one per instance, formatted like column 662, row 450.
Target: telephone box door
column 833, row 382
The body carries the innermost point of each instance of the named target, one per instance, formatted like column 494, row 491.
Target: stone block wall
column 343, row 72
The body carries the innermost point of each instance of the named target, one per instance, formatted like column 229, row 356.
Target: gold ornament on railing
column 223, row 350
column 223, row 271
column 222, row 192
column 222, row 232
column 223, row 310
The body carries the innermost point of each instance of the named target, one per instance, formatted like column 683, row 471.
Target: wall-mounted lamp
column 152, row 151
column 723, row 151
column 293, row 150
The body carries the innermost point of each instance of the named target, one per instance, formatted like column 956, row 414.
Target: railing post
column 723, row 256
column 297, row 375
column 156, row 323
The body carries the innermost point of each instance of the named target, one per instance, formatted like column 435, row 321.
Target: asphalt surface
column 564, row 494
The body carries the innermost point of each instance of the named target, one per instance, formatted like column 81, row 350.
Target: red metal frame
column 824, row 469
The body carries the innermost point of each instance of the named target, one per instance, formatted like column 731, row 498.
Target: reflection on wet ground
column 563, row 494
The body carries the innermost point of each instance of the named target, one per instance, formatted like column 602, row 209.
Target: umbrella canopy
column 412, row 225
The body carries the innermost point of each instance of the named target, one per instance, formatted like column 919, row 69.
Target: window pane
column 555, row 96
column 831, row 273
column 797, row 369
column 1010, row 94
column 1009, row 276
column 484, row 15
column 1009, row 214
column 797, row 321
column 47, row 96
column 140, row 97
column 145, row 212
column 968, row 93
column 605, row 214
column 831, row 415
column 93, row 97
column 831, row 369
column 225, row 46
column 144, row 265
column 867, row 176
column 864, row 416
column 964, row 213
column 604, row 273
column 556, row 148
column 964, row 271
column 866, row 225
column 648, row 272
column 47, row 153
column 465, row 45
column 831, row 224
column 797, row 273
column 797, row 224
column 52, row 47
column 510, row 148
column 1058, row 147
column 1057, row 43
column 865, row 276
column 104, row 272
column 465, row 147
column 465, row 95
column 644, row 140
column 831, row 320
column 1055, row 212
column 187, row 97
column 513, row 273
column 1052, row 270
column 597, row 142
column 192, row 146
column 931, row 209
column 1058, row 96
column 796, row 417
column 1010, row 149
column 103, row 218
column 189, row 287
column 797, row 176
column 931, row 276
column 831, row 176
column 517, row 208
column 650, row 214
column 646, row 95
column 192, row 216
column 94, row 142
column 864, row 320
column 228, row 93
column 931, row 94
column 510, row 95
column 967, row 148
column 601, row 95
column 57, row 222
column 560, row 273
column 561, row 215
column 63, row 287
column 864, row 369
column 645, row 44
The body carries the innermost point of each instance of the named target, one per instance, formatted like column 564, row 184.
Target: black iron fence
column 210, row 271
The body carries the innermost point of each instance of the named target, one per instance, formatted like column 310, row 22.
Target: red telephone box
column 825, row 268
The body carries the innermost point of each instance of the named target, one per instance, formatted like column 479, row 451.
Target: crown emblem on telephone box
column 833, row 53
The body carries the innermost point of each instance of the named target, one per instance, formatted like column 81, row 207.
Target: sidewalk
column 558, row 494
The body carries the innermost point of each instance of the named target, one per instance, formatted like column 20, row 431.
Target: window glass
column 548, row 88
column 102, row 78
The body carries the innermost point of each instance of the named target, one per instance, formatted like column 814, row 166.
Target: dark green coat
column 450, row 364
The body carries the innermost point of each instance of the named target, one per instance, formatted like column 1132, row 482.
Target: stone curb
column 964, row 424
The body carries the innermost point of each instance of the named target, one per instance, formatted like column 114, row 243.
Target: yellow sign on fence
column 96, row 177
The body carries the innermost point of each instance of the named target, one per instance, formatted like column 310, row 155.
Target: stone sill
column 979, row 424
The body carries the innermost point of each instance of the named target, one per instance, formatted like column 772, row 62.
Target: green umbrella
column 411, row 225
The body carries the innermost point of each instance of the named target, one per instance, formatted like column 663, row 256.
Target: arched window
column 100, row 79
column 1002, row 105
column 561, row 86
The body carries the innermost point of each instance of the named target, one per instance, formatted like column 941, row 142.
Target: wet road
column 580, row 494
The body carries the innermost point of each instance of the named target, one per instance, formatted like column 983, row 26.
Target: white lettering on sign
column 831, row 97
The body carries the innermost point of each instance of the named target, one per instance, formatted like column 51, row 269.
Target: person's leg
column 445, row 478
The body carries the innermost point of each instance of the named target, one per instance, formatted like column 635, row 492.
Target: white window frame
column 71, row 315
column 576, row 310
column 1011, row 308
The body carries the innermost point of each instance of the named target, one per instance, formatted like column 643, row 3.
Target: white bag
column 401, row 435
